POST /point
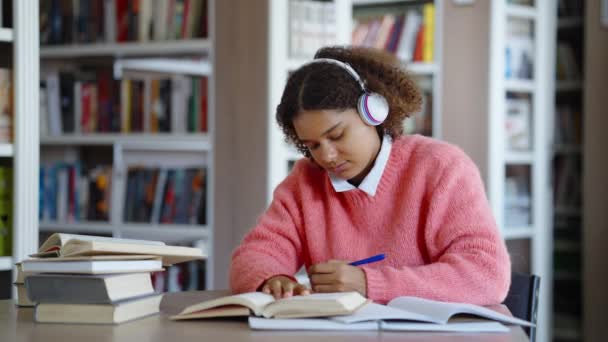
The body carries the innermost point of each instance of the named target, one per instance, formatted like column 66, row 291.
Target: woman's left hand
column 337, row 276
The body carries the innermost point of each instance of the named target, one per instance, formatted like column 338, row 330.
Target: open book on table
column 68, row 245
column 261, row 304
column 404, row 313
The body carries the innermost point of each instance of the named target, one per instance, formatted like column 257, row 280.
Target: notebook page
column 443, row 311
column 375, row 312
column 259, row 323
column 476, row 327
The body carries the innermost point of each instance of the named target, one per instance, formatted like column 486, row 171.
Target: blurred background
column 155, row 120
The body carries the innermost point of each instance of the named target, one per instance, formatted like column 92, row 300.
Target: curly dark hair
column 321, row 86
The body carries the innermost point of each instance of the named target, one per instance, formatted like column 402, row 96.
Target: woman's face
column 339, row 141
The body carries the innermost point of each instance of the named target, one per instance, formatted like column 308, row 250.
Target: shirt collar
column 370, row 183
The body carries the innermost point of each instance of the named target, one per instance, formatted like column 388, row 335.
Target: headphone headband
column 372, row 107
column 342, row 65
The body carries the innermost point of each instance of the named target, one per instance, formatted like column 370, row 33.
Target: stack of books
column 97, row 280
column 22, row 297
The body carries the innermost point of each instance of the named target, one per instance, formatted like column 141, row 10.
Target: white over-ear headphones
column 372, row 107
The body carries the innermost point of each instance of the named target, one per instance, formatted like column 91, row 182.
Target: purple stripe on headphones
column 368, row 113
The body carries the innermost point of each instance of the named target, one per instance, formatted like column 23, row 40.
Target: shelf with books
column 6, row 263
column 519, row 154
column 19, row 171
column 567, row 168
column 193, row 141
column 411, row 30
column 6, row 34
column 6, row 150
column 127, row 121
column 176, row 47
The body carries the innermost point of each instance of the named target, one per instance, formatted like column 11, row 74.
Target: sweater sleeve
column 273, row 246
column 468, row 260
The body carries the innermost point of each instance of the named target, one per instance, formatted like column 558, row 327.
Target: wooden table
column 17, row 324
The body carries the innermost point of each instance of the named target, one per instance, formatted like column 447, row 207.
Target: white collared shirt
column 370, row 183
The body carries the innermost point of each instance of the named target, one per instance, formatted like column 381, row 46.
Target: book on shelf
column 519, row 49
column 97, row 264
column 409, row 34
column 164, row 195
column 109, row 21
column 517, row 124
column 421, row 122
column 71, row 192
column 6, row 105
column 68, row 245
column 404, row 313
column 87, row 289
column 312, row 24
column 115, row 313
column 566, row 63
column 261, row 304
column 6, row 211
column 89, row 100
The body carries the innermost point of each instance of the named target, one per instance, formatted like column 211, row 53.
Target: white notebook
column 321, row 324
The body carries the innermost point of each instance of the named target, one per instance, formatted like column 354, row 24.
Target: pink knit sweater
column 430, row 216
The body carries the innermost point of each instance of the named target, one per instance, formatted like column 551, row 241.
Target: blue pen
column 374, row 258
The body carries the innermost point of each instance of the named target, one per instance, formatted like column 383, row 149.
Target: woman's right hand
column 283, row 287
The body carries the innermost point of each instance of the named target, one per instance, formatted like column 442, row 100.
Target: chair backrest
column 522, row 298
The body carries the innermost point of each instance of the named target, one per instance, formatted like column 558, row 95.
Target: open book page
column 375, row 312
column 476, row 327
column 317, row 324
column 170, row 254
column 316, row 305
column 441, row 312
column 51, row 246
column 255, row 301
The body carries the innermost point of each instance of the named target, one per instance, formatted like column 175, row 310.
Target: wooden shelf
column 516, row 157
column 6, row 35
column 6, row 150
column 566, row 275
column 566, row 246
column 519, row 86
column 191, row 46
column 567, row 211
column 514, row 233
column 570, row 22
column 567, row 149
column 163, row 65
column 418, row 68
column 380, row 2
column 163, row 232
column 6, row 263
column 570, row 86
column 522, row 12
column 160, row 141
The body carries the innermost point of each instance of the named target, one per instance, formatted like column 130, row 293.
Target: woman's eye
column 338, row 137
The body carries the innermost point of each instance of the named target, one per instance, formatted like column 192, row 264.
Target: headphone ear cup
column 373, row 108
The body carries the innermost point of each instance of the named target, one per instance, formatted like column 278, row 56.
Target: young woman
column 366, row 189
